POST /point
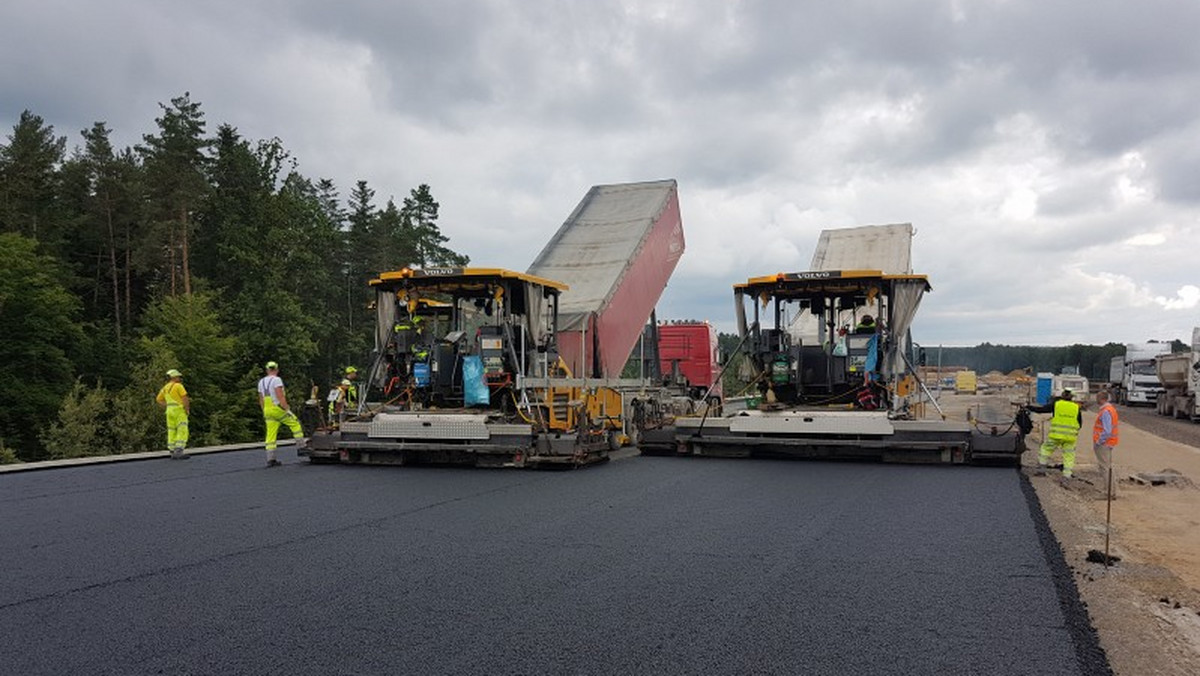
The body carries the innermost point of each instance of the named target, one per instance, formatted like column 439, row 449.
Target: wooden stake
column 1108, row 515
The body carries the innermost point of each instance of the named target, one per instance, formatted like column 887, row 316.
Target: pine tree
column 362, row 243
column 421, row 231
column 396, row 246
column 29, row 164
column 176, row 163
column 233, row 221
column 113, row 210
column 40, row 336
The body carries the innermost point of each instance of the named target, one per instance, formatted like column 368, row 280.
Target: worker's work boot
column 273, row 463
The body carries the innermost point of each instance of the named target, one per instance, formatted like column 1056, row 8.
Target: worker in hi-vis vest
column 343, row 399
column 276, row 411
column 1064, row 431
column 174, row 397
column 351, row 390
column 1105, row 435
column 339, row 401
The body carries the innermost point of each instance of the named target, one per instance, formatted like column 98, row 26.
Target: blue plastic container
column 475, row 389
column 421, row 374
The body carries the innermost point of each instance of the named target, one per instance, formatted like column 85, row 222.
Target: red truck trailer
column 688, row 350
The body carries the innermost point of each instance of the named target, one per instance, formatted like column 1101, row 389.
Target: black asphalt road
column 216, row 565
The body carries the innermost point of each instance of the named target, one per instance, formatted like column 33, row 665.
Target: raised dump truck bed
column 616, row 252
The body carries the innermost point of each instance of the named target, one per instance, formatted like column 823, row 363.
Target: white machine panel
column 873, row 423
column 429, row 426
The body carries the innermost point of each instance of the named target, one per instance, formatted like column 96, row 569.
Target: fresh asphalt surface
column 216, row 565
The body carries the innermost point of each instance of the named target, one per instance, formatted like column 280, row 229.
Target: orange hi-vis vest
column 1098, row 428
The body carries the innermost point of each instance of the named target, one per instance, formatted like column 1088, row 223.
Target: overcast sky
column 1047, row 153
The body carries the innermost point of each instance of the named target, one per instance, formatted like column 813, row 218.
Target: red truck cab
column 688, row 349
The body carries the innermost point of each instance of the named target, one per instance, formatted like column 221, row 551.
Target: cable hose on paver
column 976, row 424
column 1021, row 421
column 370, row 412
column 517, row 407
column 836, row 397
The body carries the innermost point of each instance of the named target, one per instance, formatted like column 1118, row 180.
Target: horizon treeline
column 1092, row 361
column 197, row 250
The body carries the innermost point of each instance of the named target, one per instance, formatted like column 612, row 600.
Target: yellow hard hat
column 174, row 373
column 351, row 369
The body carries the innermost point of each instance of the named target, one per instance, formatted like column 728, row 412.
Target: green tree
column 29, row 165
column 395, row 245
column 111, row 238
column 176, row 161
column 262, row 223
column 138, row 423
column 80, row 429
column 345, row 345
column 738, row 378
column 364, row 246
column 38, row 314
column 234, row 221
column 111, row 210
column 317, row 264
column 101, row 207
column 363, row 256
column 189, row 329
column 421, row 233
column 7, row 455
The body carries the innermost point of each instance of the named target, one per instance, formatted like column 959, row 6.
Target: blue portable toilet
column 1045, row 385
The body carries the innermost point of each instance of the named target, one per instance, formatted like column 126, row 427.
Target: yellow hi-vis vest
column 172, row 394
column 1065, row 423
column 337, row 394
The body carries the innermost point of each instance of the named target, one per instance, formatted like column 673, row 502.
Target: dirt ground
column 1146, row 607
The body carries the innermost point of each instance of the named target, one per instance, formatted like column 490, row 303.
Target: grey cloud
column 1175, row 167
column 510, row 109
column 1076, row 196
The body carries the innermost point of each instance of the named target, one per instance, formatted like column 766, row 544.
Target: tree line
column 1092, row 361
column 206, row 252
